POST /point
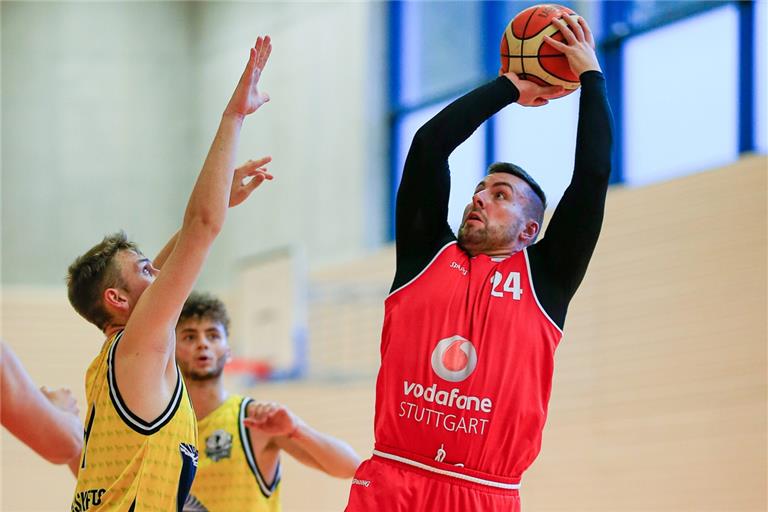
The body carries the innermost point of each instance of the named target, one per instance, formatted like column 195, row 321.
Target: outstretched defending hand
column 580, row 50
column 247, row 99
column 532, row 94
column 270, row 418
column 251, row 169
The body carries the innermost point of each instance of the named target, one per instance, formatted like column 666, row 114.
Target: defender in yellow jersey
column 139, row 450
column 129, row 462
column 240, row 440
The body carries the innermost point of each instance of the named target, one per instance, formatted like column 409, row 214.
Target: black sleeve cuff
column 591, row 76
column 506, row 88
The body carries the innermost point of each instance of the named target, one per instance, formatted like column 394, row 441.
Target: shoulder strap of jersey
column 245, row 441
column 137, row 424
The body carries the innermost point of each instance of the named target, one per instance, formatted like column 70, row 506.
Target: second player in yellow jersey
column 230, row 479
column 240, row 440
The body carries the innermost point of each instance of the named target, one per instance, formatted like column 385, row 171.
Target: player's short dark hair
column 537, row 201
column 92, row 273
column 518, row 171
column 200, row 305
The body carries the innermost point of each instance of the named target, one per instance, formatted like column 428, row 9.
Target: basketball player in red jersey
column 471, row 324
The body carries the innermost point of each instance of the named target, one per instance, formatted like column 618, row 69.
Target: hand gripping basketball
column 532, row 94
column 580, row 50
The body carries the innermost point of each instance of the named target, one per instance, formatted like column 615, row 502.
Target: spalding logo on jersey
column 219, row 445
column 454, row 359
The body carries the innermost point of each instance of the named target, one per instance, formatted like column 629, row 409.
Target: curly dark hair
column 202, row 305
column 92, row 273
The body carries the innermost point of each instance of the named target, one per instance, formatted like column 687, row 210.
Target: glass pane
column 542, row 141
column 681, row 97
column 467, row 163
column 440, row 49
column 640, row 12
column 761, row 81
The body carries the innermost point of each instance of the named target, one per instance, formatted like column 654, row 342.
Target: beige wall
column 95, row 129
column 659, row 398
column 109, row 109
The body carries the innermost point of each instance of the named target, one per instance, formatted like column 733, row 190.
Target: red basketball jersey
column 467, row 355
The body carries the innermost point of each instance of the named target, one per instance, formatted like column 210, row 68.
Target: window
column 680, row 91
column 540, row 140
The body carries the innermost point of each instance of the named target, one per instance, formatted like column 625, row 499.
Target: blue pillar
column 746, row 76
column 615, row 15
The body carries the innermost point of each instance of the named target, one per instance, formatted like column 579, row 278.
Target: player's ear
column 115, row 299
column 529, row 232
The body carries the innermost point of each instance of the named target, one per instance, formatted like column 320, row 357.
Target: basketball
column 524, row 51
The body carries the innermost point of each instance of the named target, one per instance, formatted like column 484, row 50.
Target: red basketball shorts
column 384, row 485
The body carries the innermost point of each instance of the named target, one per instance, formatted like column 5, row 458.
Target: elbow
column 348, row 469
column 64, row 451
column 420, row 138
column 343, row 474
column 204, row 223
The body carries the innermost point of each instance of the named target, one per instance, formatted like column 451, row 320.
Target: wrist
column 589, row 70
column 296, row 432
column 236, row 117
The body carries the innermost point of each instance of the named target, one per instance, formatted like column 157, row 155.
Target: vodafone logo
column 454, row 359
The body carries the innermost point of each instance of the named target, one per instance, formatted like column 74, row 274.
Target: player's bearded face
column 484, row 230
column 209, row 373
column 201, row 349
column 480, row 239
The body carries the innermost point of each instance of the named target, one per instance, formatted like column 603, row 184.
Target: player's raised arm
column 422, row 199
column 46, row 421
column 561, row 258
column 304, row 443
column 145, row 367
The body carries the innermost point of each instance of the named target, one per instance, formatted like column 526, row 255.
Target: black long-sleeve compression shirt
column 559, row 260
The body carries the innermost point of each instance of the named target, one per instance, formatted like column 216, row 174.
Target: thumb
column 257, row 180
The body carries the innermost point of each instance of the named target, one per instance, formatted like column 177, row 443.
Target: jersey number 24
column 511, row 285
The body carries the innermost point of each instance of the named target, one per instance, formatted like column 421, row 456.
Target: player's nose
column 477, row 200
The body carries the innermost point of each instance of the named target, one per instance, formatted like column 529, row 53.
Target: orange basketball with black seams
column 524, row 51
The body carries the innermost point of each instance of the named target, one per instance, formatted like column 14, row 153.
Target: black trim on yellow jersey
column 137, row 424
column 87, row 434
column 245, row 441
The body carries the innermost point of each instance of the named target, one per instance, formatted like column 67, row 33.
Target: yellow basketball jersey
column 129, row 464
column 228, row 478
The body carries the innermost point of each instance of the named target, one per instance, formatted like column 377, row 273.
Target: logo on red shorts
column 454, row 359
